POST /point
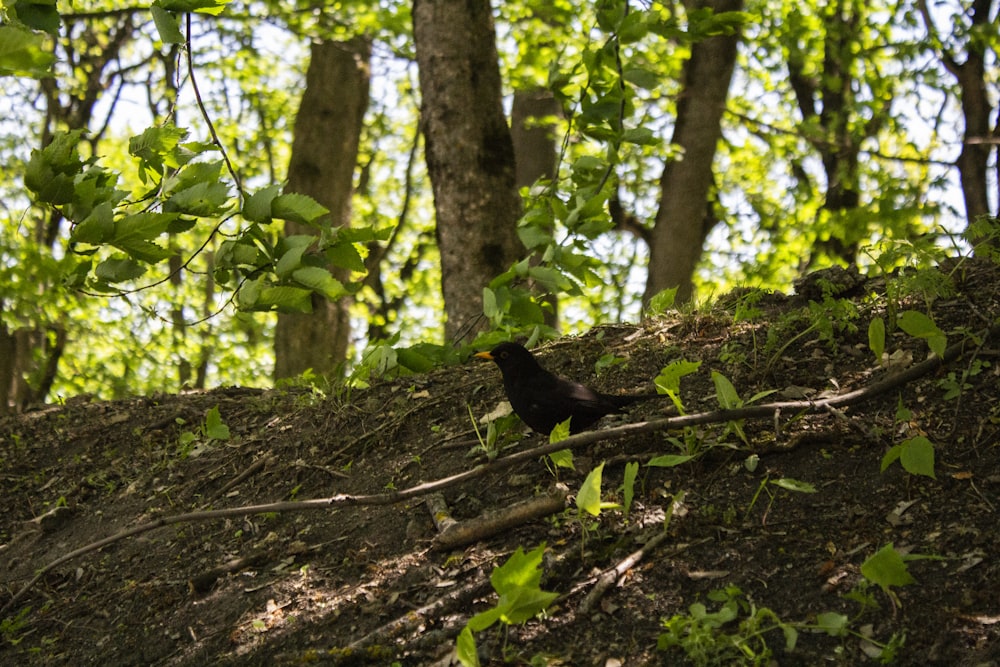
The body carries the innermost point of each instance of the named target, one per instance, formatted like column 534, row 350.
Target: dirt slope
column 363, row 583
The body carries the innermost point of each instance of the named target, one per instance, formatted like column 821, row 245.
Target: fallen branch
column 491, row 523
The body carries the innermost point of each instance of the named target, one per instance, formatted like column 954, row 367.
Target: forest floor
column 363, row 578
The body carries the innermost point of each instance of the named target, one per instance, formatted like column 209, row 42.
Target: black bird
column 543, row 400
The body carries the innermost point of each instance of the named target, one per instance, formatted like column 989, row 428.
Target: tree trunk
column 685, row 216
column 469, row 153
column 532, row 129
column 973, row 161
column 324, row 154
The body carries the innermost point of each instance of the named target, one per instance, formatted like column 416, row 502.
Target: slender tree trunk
column 973, row 161
column 685, row 215
column 469, row 153
column 324, row 156
column 532, row 129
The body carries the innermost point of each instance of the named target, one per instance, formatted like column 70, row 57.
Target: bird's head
column 511, row 358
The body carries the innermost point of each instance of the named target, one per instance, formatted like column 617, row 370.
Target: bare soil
column 360, row 581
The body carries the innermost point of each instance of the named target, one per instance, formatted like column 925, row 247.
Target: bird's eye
column 503, row 355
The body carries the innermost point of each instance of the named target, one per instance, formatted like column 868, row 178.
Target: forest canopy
column 203, row 192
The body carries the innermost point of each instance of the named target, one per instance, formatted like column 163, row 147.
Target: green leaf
column 490, row 309
column 832, row 623
column 876, row 338
column 917, row 456
column 257, row 207
column 562, row 459
column 588, row 498
column 631, row 470
column 142, row 250
column 319, row 280
column 641, row 136
column 22, row 53
column 521, row 570
column 669, row 460
column 559, row 432
column 119, row 269
column 794, row 485
column 284, row 299
column 212, row 7
column 156, row 147
column 725, row 392
column 297, row 208
column 641, row 77
column 166, row 25
column 465, row 648
column 96, row 228
column 289, row 261
column 38, row 15
column 669, row 379
column 662, row 301
column 346, row 255
column 886, row 569
column 919, row 325
column 890, row 456
column 201, row 199
column 215, row 429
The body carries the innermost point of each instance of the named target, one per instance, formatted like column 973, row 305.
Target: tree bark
column 532, row 129
column 469, row 153
column 973, row 161
column 324, row 154
column 685, row 214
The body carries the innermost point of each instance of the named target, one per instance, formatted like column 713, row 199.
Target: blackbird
column 543, row 400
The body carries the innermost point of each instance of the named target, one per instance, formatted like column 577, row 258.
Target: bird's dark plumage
column 543, row 400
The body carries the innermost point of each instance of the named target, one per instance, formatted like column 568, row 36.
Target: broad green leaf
column 249, row 294
column 142, row 250
column 524, row 603
column 289, row 261
column 202, row 199
column 643, row 78
column 832, row 623
column 642, row 136
column 39, row 15
column 22, row 53
column 215, row 428
column 166, row 25
column 890, row 456
column 917, row 456
column 662, row 301
column 562, row 459
column 319, row 280
column 284, row 299
column 520, row 570
column 919, row 325
column 141, row 226
column 670, row 375
column 560, row 431
column 588, row 498
column 345, row 255
column 297, row 208
column 119, row 269
column 96, row 228
column 886, row 569
column 257, row 207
